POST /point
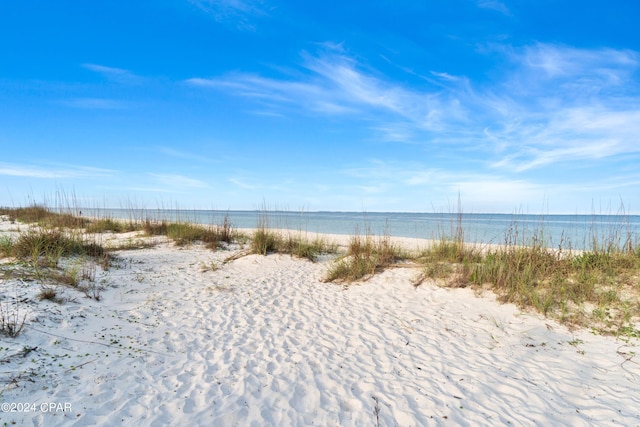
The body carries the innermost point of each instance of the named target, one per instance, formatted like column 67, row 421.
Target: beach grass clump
column 449, row 260
column 576, row 289
column 302, row 247
column 44, row 217
column 48, row 293
column 365, row 256
column 12, row 320
column 104, row 225
column 454, row 251
column 527, row 276
column 599, row 287
column 184, row 233
column 265, row 241
column 6, row 246
column 49, row 245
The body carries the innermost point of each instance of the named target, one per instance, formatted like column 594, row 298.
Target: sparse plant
column 6, row 246
column 183, row 233
column 12, row 321
column 108, row 224
column 264, row 241
column 365, row 256
column 92, row 289
column 49, row 245
column 48, row 293
column 553, row 282
column 44, row 217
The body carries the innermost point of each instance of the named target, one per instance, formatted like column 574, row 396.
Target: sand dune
column 262, row 341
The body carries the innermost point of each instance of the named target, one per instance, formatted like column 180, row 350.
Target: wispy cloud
column 239, row 13
column 571, row 134
column 94, row 103
column 584, row 72
column 498, row 6
column 118, row 75
column 563, row 104
column 176, row 181
column 53, row 172
column 550, row 104
column 335, row 85
column 180, row 154
column 242, row 183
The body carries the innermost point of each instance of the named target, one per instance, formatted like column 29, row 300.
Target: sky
column 507, row 106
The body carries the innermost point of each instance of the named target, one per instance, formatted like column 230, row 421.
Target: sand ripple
column 262, row 341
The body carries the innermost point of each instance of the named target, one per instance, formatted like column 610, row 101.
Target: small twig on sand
column 81, row 365
column 237, row 256
column 376, row 411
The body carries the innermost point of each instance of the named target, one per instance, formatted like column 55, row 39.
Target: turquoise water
column 575, row 231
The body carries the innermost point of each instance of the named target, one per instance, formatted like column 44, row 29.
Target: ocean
column 566, row 231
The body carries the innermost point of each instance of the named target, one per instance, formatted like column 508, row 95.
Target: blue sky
column 383, row 105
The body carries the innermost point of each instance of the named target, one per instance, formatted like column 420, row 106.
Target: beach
column 178, row 336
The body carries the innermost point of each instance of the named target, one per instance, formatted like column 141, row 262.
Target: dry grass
column 365, row 256
column 183, row 233
column 599, row 288
column 104, row 225
column 44, row 217
column 265, row 241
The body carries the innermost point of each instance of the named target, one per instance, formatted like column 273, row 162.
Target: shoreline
column 567, row 231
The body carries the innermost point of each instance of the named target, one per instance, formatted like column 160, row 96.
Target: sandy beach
column 179, row 337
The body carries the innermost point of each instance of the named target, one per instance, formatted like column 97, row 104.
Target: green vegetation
column 49, row 245
column 43, row 217
column 599, row 288
column 265, row 241
column 107, row 224
column 184, row 233
column 365, row 257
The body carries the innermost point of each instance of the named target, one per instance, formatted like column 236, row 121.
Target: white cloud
column 178, row 181
column 498, row 6
column 53, row 172
column 237, row 12
column 179, row 154
column 333, row 84
column 118, row 75
column 240, row 182
column 549, row 72
column 557, row 103
column 94, row 103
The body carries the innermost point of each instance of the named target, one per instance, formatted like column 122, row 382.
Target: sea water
column 566, row 231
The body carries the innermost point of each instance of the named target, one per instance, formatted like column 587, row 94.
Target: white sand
column 262, row 341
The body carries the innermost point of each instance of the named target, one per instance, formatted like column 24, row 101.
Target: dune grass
column 599, row 287
column 365, row 256
column 184, row 233
column 104, row 225
column 265, row 240
column 41, row 215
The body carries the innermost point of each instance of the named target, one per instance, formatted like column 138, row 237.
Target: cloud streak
column 69, row 172
column 554, row 103
column 94, row 104
column 236, row 12
column 178, row 181
column 334, row 85
column 119, row 75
